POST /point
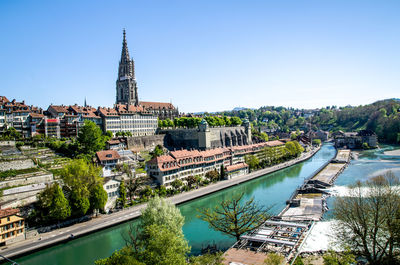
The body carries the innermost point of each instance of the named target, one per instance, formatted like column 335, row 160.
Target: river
column 269, row 190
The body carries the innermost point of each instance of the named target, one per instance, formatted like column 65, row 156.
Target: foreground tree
column 83, row 186
column 52, row 205
column 235, row 217
column 158, row 239
column 367, row 220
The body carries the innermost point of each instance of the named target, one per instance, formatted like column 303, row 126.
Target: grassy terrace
column 12, row 173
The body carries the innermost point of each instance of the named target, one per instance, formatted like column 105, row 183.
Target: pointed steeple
column 126, row 65
column 85, row 105
column 124, row 52
column 126, row 82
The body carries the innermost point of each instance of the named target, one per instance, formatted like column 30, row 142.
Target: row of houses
column 180, row 164
column 65, row 121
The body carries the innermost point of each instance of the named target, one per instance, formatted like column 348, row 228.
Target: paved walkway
column 103, row 221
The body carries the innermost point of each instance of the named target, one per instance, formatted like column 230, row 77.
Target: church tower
column 126, row 82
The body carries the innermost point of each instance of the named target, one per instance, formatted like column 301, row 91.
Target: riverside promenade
column 48, row 239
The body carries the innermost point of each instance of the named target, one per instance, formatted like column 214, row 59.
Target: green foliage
column 212, row 175
column 316, row 142
column 252, row 161
column 11, row 134
column 125, row 256
column 52, row 205
column 365, row 146
column 98, row 197
column 90, row 138
column 158, row 151
column 177, row 184
column 157, row 240
column 235, row 217
column 122, row 194
column 83, row 185
column 163, row 246
column 274, row 259
column 13, row 172
column 298, row 261
column 339, row 258
column 207, row 259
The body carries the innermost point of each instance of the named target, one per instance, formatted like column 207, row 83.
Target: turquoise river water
column 269, row 190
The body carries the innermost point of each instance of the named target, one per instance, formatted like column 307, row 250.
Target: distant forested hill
column 383, row 117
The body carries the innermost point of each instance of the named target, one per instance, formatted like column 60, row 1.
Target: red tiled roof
column 107, row 155
column 36, row 115
column 275, row 143
column 121, row 108
column 8, row 212
column 58, row 108
column 236, row 167
column 156, row 105
column 3, row 100
column 108, row 111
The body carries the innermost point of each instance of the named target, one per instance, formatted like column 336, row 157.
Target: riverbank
column 104, row 221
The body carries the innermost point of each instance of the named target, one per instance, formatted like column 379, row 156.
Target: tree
column 191, row 180
column 80, row 180
column 98, row 197
column 316, row 142
column 223, row 173
column 252, row 161
column 207, row 259
column 212, row 175
column 366, row 220
column 122, row 194
column 274, row 259
column 264, row 136
column 235, row 217
column 339, row 258
column 163, row 246
column 52, row 205
column 176, row 184
column 134, row 182
column 90, row 138
column 158, row 238
column 124, row 256
column 158, row 151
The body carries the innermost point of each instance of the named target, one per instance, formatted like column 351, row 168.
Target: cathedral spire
column 126, row 82
column 124, row 53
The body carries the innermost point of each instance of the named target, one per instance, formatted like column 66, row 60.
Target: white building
column 111, row 186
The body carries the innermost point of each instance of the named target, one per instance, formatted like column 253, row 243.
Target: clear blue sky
column 202, row 55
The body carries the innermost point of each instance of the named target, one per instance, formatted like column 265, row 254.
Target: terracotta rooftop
column 36, row 115
column 107, row 155
column 156, row 105
column 59, row 108
column 236, row 167
column 8, row 212
column 274, row 143
column 3, row 100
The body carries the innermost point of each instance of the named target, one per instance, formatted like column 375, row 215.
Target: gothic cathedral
column 126, row 82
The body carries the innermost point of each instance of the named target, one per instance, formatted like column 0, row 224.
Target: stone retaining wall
column 46, row 177
column 16, row 164
column 141, row 143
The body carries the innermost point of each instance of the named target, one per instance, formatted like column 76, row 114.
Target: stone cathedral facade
column 127, row 90
column 126, row 83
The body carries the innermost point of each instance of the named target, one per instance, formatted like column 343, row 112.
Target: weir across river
column 287, row 232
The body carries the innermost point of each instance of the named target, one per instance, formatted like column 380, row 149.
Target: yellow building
column 12, row 226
